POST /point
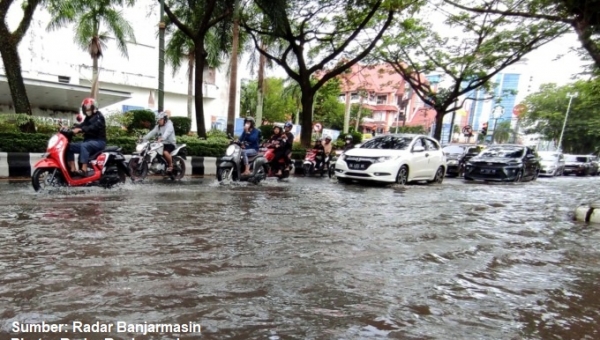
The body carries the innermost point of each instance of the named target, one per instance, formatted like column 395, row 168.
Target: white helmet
column 161, row 115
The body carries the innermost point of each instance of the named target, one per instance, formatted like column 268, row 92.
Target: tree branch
column 179, row 24
column 28, row 11
column 584, row 34
column 337, row 71
column 285, row 66
column 512, row 13
column 351, row 38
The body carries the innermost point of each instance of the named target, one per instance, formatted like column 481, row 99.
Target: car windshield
column 575, row 159
column 388, row 142
column 508, row 152
column 453, row 149
column 549, row 156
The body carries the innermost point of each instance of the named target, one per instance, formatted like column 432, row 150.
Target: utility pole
column 497, row 114
column 562, row 132
column 161, row 58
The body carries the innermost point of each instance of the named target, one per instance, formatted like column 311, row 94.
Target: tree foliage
column 582, row 15
column 547, row 109
column 488, row 44
column 318, row 37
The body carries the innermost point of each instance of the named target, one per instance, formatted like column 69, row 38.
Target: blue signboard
column 130, row 108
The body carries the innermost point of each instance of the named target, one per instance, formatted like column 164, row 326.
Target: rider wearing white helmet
column 166, row 132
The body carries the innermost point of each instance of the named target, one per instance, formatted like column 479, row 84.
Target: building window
column 354, row 96
column 381, row 100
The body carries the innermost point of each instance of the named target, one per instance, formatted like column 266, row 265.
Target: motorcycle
column 310, row 163
column 231, row 165
column 148, row 157
column 109, row 166
column 268, row 151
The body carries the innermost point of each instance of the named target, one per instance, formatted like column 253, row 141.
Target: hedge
column 37, row 142
column 181, row 125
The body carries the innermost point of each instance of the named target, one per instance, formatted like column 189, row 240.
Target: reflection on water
column 308, row 259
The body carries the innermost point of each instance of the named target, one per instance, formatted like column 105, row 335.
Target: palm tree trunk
column 200, row 60
column 190, row 97
column 95, row 81
column 262, row 60
column 358, row 113
column 234, row 71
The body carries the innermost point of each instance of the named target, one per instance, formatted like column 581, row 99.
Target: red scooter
column 109, row 166
column 268, row 151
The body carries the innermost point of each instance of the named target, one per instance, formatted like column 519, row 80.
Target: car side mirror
column 418, row 148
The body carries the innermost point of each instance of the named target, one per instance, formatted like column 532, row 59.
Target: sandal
column 170, row 169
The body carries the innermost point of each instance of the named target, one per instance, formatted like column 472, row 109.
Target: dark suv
column 457, row 156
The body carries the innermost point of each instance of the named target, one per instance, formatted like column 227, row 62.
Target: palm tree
column 181, row 48
column 502, row 132
column 88, row 17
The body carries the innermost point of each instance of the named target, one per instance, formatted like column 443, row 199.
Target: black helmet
column 251, row 120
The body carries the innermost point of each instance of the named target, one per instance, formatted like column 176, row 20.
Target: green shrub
column 141, row 119
column 214, row 133
column 266, row 131
column 182, row 125
column 37, row 142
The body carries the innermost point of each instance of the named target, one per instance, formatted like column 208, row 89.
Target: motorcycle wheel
column 138, row 174
column 306, row 170
column 178, row 168
column 331, row 171
column 261, row 173
column 39, row 179
column 223, row 173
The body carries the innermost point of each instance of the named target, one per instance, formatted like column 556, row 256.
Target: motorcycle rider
column 279, row 142
column 319, row 153
column 348, row 142
column 94, row 138
column 251, row 135
column 328, row 148
column 164, row 128
column 290, row 143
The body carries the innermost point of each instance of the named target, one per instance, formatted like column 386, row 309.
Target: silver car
column 552, row 162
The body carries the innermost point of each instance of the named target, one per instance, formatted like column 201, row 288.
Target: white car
column 393, row 158
column 552, row 162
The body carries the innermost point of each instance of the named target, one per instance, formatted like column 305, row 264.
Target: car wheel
column 402, row 177
column 536, row 175
column 519, row 176
column 439, row 176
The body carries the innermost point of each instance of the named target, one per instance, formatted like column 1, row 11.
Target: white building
column 58, row 73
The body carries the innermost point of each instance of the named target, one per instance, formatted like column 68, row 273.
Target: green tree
column 487, row 45
column 89, row 18
column 9, row 50
column 580, row 15
column 327, row 108
column 547, row 109
column 195, row 19
column 322, row 38
column 503, row 131
column 278, row 105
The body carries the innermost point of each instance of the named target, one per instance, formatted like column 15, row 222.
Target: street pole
column 497, row 113
column 562, row 132
column 161, row 58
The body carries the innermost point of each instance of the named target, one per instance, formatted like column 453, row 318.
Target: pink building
column 386, row 98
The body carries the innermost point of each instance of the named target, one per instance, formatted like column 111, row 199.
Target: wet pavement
column 307, row 259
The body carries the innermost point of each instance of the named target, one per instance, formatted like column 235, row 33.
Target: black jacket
column 94, row 127
column 290, row 140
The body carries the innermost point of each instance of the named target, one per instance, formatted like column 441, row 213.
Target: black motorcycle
column 232, row 165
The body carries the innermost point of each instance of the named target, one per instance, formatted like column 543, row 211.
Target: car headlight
column 342, row 157
column 452, row 162
column 230, row 150
column 385, row 158
column 52, row 142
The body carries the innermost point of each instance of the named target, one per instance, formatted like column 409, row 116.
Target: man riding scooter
column 319, row 154
column 164, row 127
column 328, row 150
column 349, row 142
column 94, row 138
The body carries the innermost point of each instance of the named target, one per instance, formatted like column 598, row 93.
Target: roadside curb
column 588, row 213
column 21, row 164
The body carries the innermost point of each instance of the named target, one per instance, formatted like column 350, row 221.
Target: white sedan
column 394, row 158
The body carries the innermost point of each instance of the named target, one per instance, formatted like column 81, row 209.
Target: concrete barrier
column 588, row 213
column 19, row 165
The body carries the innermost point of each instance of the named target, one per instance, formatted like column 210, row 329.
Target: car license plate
column 356, row 166
column 488, row 171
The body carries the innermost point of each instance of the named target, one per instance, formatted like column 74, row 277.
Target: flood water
column 307, row 259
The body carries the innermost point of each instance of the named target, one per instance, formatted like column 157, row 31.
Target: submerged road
column 307, row 259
